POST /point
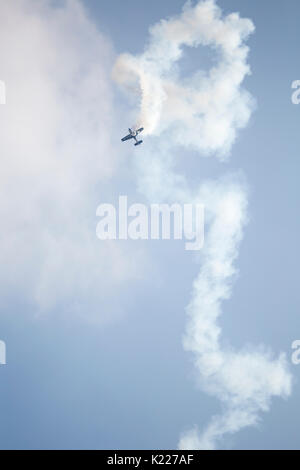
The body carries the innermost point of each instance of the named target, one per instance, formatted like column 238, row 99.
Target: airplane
column 133, row 135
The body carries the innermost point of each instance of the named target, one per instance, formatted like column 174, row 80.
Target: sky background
column 112, row 374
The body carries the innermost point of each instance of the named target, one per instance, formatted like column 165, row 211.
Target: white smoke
column 56, row 149
column 204, row 112
column 245, row 380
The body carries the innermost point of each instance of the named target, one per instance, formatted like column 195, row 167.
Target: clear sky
column 94, row 333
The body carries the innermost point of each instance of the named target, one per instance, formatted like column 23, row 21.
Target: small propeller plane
column 133, row 135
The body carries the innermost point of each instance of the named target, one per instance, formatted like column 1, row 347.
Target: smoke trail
column 205, row 112
column 245, row 380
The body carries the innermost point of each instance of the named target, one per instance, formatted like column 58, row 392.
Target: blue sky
column 94, row 358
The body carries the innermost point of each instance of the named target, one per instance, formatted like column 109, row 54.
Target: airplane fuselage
column 133, row 135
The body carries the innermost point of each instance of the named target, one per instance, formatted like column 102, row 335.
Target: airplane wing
column 128, row 137
column 140, row 130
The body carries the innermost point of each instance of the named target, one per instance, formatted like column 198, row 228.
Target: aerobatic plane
column 133, row 135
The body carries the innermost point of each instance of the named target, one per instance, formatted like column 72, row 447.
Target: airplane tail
column 138, row 143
